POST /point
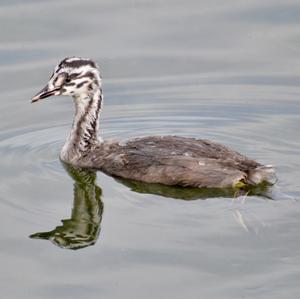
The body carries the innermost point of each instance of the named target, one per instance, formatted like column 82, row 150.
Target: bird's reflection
column 183, row 193
column 83, row 227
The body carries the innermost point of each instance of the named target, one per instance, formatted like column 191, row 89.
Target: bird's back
column 174, row 160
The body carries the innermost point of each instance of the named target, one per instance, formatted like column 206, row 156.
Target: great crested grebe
column 169, row 160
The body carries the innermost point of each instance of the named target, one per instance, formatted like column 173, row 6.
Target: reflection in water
column 83, row 228
column 178, row 192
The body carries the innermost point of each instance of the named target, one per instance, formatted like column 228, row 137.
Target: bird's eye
column 68, row 80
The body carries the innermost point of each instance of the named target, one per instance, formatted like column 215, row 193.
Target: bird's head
column 77, row 77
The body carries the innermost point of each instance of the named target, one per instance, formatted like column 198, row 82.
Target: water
column 227, row 71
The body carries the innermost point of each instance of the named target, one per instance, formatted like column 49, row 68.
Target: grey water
column 222, row 70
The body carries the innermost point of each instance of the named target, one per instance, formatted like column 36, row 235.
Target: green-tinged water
column 227, row 71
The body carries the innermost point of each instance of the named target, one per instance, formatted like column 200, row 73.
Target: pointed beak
column 45, row 93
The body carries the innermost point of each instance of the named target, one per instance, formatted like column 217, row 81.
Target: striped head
column 77, row 77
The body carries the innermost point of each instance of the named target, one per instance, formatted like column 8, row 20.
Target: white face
column 72, row 77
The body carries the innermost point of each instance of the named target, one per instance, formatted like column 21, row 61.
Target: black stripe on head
column 81, row 84
column 74, row 76
column 62, row 62
column 70, row 84
column 77, row 63
column 88, row 75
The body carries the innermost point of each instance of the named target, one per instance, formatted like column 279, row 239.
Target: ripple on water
column 34, row 148
column 29, row 159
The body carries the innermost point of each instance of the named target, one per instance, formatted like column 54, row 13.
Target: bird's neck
column 83, row 136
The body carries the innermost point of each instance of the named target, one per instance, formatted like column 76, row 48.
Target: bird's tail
column 265, row 173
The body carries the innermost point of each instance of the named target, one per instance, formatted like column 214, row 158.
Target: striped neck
column 83, row 136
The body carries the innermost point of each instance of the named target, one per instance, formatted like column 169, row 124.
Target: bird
column 168, row 160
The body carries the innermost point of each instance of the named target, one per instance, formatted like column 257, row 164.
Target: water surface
column 227, row 71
